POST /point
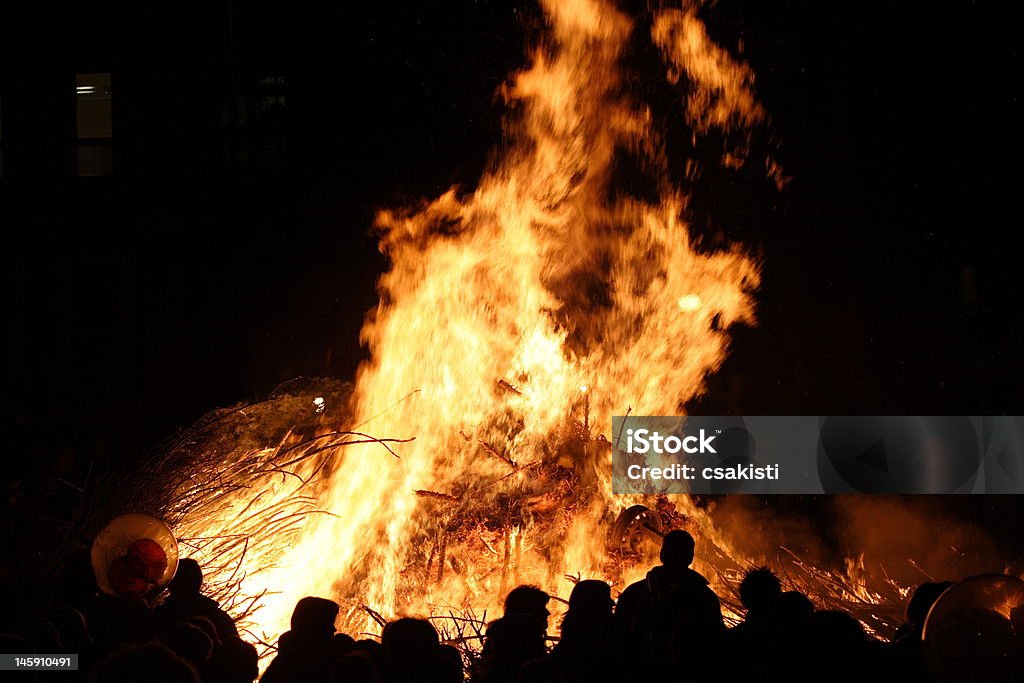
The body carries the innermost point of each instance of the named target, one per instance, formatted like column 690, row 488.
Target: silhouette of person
column 788, row 659
column 235, row 661
column 191, row 643
column 450, row 668
column 306, row 652
column 759, row 591
column 412, row 651
column 342, row 644
column 152, row 663
column 754, row 636
column 793, row 610
column 510, row 642
column 838, row 648
column 904, row 655
column 516, row 638
column 528, row 600
column 585, row 651
column 71, row 628
column 355, row 667
column 671, row 596
column 185, row 601
column 921, row 601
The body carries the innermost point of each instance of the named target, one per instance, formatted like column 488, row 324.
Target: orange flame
column 543, row 293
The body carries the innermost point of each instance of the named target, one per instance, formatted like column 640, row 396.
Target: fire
column 515, row 320
column 858, row 581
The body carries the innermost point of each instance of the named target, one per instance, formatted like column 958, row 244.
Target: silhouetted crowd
column 666, row 627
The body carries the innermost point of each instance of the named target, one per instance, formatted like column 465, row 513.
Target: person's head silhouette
column 922, row 599
column 314, row 616
column 677, row 550
column 592, row 599
column 528, row 600
column 188, row 579
column 759, row 590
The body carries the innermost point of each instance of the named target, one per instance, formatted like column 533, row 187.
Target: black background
column 133, row 304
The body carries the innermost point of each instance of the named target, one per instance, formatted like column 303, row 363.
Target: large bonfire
column 515, row 320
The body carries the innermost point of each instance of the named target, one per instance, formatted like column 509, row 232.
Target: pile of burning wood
column 279, row 448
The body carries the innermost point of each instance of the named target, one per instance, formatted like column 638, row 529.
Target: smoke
column 758, row 527
column 914, row 539
column 907, row 540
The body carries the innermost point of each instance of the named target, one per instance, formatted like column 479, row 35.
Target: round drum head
column 135, row 555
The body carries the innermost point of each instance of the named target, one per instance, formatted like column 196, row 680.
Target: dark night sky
column 134, row 304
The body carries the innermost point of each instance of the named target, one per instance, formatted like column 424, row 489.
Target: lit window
column 94, row 121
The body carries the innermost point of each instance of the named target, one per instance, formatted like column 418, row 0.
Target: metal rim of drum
column 630, row 520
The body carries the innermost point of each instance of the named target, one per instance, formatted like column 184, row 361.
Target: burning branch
column 365, row 438
column 376, row 616
column 388, row 409
column 497, row 454
column 464, row 631
column 236, row 504
column 880, row 614
column 437, row 495
column 509, row 388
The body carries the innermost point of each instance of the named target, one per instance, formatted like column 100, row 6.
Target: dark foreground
column 667, row 627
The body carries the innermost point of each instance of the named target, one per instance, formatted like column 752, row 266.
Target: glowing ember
column 689, row 303
column 514, row 321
